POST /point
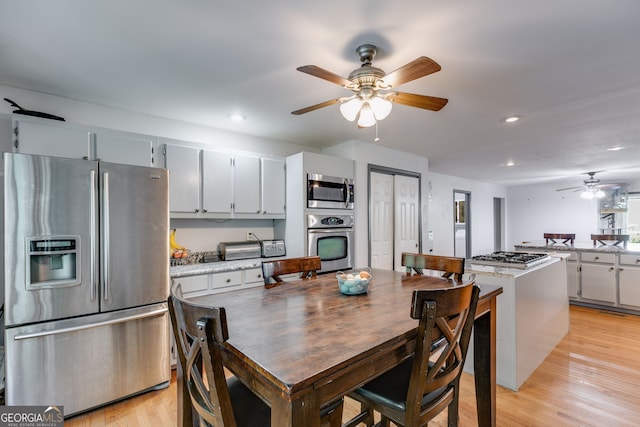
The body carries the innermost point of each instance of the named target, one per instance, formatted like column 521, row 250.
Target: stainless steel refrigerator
column 86, row 281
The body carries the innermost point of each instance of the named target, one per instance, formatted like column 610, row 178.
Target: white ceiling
column 570, row 67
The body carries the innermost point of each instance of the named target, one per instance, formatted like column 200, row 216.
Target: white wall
column 440, row 209
column 365, row 153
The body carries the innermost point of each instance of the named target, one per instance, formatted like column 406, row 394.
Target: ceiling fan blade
column 570, row 188
column 415, row 69
column 420, row 101
column 316, row 71
column 316, row 107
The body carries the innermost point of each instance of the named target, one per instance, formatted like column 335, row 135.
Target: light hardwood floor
column 592, row 378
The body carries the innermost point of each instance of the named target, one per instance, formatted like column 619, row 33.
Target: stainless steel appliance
column 86, row 280
column 522, row 260
column 329, row 192
column 273, row 248
column 239, row 250
column 331, row 238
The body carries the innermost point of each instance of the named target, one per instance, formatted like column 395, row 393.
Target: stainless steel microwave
column 329, row 192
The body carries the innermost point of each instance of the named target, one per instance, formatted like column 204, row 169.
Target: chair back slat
column 306, row 267
column 417, row 263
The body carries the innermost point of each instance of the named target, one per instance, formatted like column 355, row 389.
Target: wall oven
column 331, row 238
column 329, row 192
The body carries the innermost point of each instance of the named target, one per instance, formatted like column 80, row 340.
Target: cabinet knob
column 197, row 210
column 596, row 257
column 228, row 280
column 611, row 268
column 621, row 269
column 264, row 212
column 204, row 210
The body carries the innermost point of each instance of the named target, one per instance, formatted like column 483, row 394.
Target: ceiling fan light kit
column 370, row 104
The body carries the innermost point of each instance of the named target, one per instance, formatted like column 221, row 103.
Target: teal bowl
column 355, row 282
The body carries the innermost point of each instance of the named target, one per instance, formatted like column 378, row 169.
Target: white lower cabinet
column 204, row 284
column 629, row 284
column 599, row 282
column 573, row 279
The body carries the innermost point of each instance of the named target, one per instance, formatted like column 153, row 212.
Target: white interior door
column 381, row 211
column 407, row 207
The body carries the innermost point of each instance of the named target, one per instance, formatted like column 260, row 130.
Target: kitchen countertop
column 491, row 270
column 216, row 267
column 632, row 248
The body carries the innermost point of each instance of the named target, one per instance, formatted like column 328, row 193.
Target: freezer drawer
column 86, row 362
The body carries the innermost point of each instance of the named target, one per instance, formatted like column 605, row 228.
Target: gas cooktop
column 511, row 259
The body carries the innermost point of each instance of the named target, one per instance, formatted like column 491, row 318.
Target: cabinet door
column 184, row 178
column 629, row 285
column 124, row 148
column 193, row 283
column 598, row 282
column 217, row 180
column 572, row 279
column 246, row 185
column 53, row 138
column 273, row 186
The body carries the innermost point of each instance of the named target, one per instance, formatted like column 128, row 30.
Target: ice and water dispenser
column 53, row 262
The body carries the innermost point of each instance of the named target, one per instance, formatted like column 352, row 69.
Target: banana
column 172, row 241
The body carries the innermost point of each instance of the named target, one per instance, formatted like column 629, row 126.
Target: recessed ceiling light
column 510, row 163
column 617, row 148
column 237, row 117
column 512, row 119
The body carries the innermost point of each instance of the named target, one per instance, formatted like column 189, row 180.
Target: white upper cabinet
column 51, row 138
column 184, row 178
column 217, row 182
column 60, row 139
column 273, row 186
column 246, row 177
column 125, row 148
column 225, row 185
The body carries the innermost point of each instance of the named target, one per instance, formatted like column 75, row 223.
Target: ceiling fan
column 592, row 187
column 372, row 88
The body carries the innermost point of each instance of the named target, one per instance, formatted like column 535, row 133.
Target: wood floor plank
column 591, row 378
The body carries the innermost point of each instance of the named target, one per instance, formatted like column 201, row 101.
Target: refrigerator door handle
column 154, row 313
column 93, row 242
column 104, row 210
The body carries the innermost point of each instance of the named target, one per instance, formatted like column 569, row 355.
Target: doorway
column 462, row 223
column 498, row 224
column 394, row 216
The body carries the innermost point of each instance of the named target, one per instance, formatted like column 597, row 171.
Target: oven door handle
column 346, row 192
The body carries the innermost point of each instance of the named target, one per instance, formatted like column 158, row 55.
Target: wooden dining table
column 303, row 344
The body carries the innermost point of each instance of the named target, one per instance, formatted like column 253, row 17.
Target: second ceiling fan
column 372, row 88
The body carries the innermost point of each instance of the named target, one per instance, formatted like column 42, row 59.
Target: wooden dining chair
column 199, row 331
column 422, row 386
column 416, row 263
column 306, row 267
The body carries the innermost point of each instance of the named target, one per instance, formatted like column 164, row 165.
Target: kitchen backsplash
column 201, row 235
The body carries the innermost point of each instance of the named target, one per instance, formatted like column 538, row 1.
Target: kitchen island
column 532, row 315
column 600, row 276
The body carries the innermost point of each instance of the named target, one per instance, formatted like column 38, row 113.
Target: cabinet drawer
column 598, row 257
column 225, row 280
column 253, row 276
column 630, row 259
column 193, row 283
